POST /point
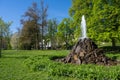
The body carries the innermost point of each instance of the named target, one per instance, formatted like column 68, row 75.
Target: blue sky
column 12, row 10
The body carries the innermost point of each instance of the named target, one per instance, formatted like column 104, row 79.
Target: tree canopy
column 102, row 16
column 34, row 22
column 52, row 33
column 66, row 32
column 4, row 35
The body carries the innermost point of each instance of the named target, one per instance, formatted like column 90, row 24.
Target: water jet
column 83, row 27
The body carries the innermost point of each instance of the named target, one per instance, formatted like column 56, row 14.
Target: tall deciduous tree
column 52, row 30
column 102, row 18
column 65, row 32
column 1, row 34
column 107, row 19
column 30, row 32
column 43, row 22
column 15, row 40
column 79, row 8
column 33, row 26
column 4, row 34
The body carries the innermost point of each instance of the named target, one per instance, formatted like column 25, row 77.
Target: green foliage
column 28, row 38
column 33, row 25
column 65, row 33
column 102, row 16
column 52, row 33
column 30, row 31
column 107, row 19
column 4, row 35
column 15, row 40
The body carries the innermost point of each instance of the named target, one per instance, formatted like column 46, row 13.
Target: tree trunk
column 42, row 36
column 0, row 46
column 113, row 42
column 0, row 51
column 37, row 41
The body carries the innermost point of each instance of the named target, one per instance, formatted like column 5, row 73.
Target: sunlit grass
column 37, row 65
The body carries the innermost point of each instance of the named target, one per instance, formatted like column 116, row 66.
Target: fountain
column 86, row 51
column 83, row 27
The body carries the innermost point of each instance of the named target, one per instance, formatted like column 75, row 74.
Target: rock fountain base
column 86, row 51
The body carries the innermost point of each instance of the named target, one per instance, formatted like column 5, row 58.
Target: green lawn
column 37, row 65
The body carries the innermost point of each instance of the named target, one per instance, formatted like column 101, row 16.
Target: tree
column 7, row 34
column 29, row 35
column 109, row 21
column 102, row 18
column 1, row 34
column 33, row 27
column 15, row 40
column 4, row 33
column 52, row 30
column 65, row 32
column 43, row 21
column 79, row 8
column 30, row 32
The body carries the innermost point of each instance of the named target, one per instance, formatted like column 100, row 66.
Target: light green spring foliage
column 66, row 31
column 52, row 32
column 5, row 33
column 14, row 41
column 5, row 28
column 102, row 16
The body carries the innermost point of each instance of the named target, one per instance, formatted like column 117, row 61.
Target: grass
column 37, row 65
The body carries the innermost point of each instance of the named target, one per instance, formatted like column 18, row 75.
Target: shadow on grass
column 56, row 57
column 112, row 50
column 23, row 57
column 115, row 57
column 17, row 57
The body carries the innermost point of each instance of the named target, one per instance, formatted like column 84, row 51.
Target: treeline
column 37, row 32
column 40, row 33
column 102, row 16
